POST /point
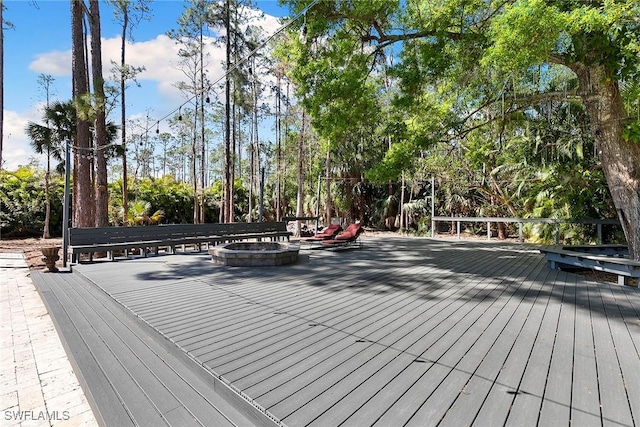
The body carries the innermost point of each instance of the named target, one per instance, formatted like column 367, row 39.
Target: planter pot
column 50, row 257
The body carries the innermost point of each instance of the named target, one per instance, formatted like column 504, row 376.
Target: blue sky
column 40, row 43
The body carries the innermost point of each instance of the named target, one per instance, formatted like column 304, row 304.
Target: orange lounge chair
column 349, row 236
column 330, row 232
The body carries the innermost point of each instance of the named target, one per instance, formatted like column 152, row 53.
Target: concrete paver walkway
column 37, row 384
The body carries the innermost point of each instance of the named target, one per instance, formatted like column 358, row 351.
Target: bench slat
column 110, row 239
column 624, row 268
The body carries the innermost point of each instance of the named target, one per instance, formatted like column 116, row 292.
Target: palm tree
column 49, row 140
column 139, row 210
column 60, row 129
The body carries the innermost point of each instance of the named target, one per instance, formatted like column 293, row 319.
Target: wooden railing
column 521, row 221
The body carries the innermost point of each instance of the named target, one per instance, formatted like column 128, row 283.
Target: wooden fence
column 521, row 221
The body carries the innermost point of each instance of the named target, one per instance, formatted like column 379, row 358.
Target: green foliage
column 400, row 157
column 523, row 35
column 22, row 200
column 480, row 94
column 631, row 131
column 139, row 213
column 165, row 194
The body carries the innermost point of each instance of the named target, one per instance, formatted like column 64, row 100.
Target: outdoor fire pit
column 255, row 254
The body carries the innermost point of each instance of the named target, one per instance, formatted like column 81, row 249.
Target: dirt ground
column 31, row 248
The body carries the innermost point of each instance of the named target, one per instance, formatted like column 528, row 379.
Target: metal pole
column 318, row 206
column 65, row 207
column 402, row 205
column 433, row 206
column 260, row 209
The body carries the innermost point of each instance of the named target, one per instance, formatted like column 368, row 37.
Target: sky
column 40, row 44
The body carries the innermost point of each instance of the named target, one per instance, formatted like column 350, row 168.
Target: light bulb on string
column 303, row 29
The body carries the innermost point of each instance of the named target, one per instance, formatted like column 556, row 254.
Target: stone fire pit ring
column 254, row 254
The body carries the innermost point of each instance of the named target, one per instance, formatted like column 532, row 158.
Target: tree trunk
column 83, row 197
column 503, row 232
column 123, row 117
column 46, row 234
column 232, row 149
column 203, row 159
column 254, row 141
column 102, row 195
column 226, row 174
column 278, row 147
column 620, row 158
column 194, row 168
column 300, row 193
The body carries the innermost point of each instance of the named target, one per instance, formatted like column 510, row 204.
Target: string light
column 303, row 29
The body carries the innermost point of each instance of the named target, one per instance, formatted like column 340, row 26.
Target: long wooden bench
column 609, row 259
column 152, row 238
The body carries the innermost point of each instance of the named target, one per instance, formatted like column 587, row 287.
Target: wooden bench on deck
column 606, row 258
column 152, row 238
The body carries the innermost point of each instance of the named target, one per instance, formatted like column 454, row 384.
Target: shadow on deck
column 401, row 332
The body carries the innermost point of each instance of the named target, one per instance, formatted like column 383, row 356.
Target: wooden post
column 520, row 234
column 599, row 233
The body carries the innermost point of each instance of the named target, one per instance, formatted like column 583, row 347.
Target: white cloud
column 154, row 55
column 56, row 63
column 159, row 56
column 16, row 150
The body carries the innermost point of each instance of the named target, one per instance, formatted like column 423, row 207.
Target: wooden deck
column 401, row 332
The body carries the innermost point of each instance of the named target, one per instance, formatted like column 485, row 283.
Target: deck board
column 102, row 397
column 585, row 384
column 619, row 397
column 171, row 393
column 473, row 394
column 403, row 331
column 481, row 337
column 557, row 398
column 131, row 376
column 131, row 394
column 506, row 386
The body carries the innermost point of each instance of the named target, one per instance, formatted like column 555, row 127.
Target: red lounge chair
column 349, row 236
column 330, row 232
